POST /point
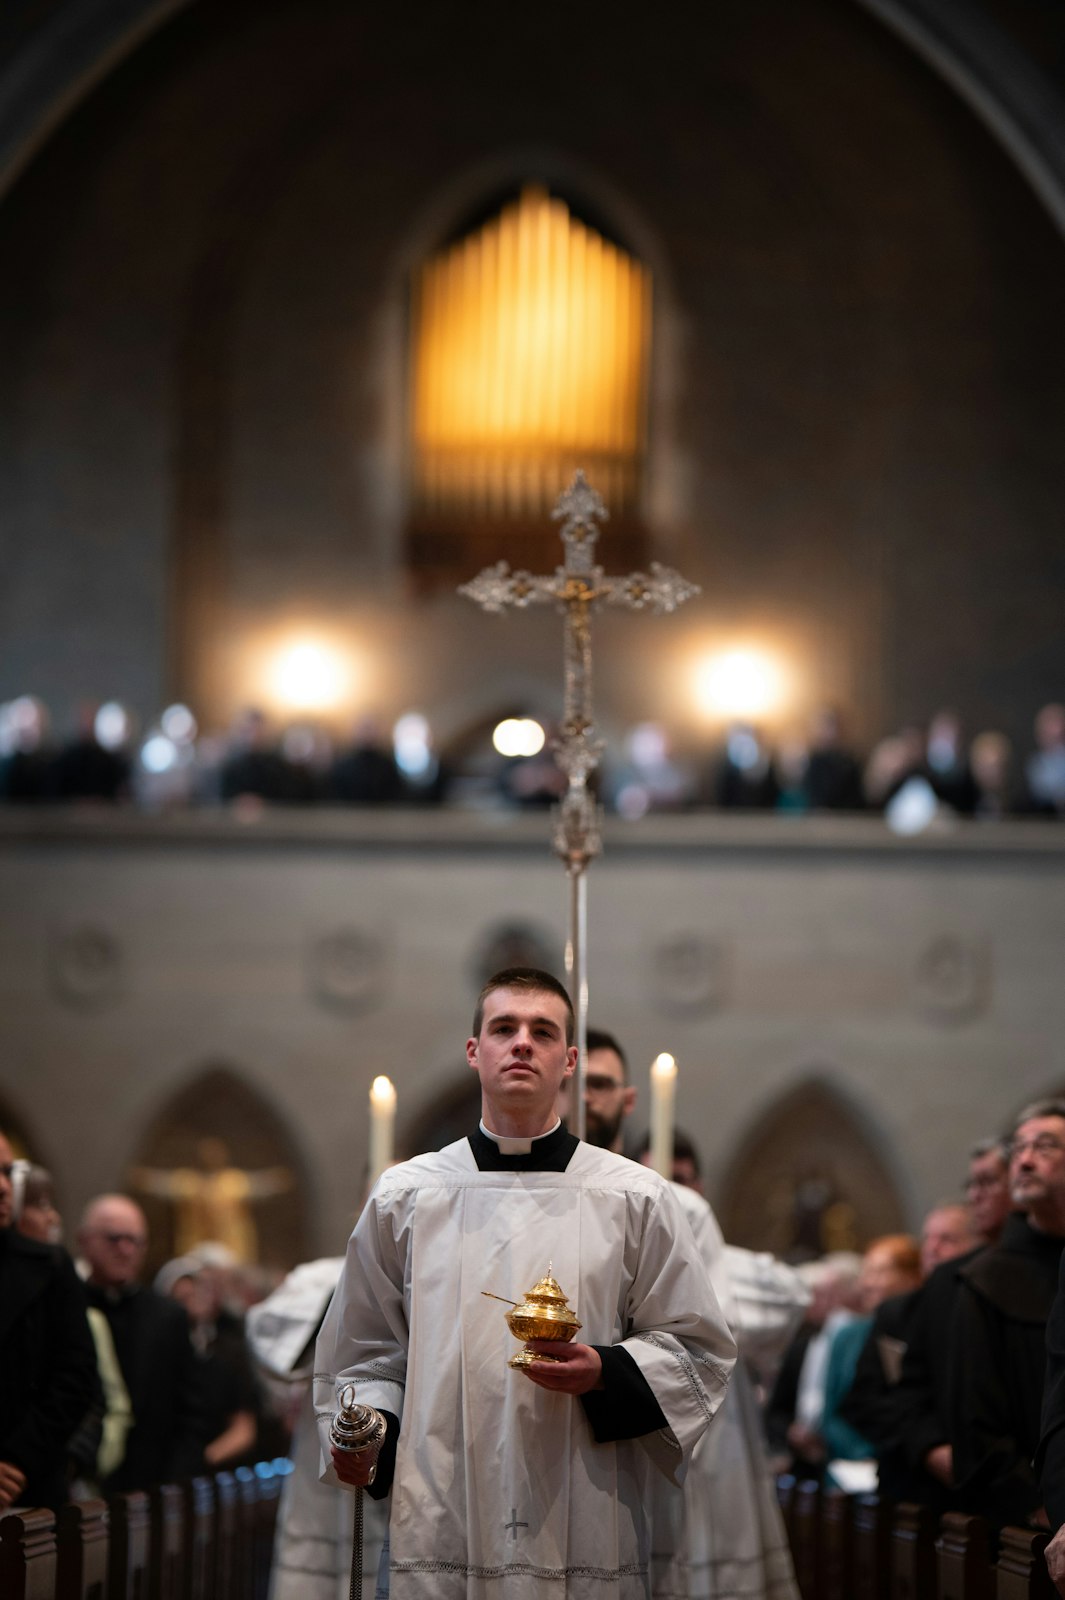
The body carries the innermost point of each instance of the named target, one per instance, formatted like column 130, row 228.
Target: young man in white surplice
column 521, row 1484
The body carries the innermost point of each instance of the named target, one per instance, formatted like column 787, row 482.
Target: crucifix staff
column 577, row 588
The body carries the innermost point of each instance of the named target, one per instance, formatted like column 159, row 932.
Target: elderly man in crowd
column 151, row 1338
column 47, row 1362
column 987, row 1188
column 920, row 1397
column 1004, row 1298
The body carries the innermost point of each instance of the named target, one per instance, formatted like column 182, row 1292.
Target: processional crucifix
column 576, row 589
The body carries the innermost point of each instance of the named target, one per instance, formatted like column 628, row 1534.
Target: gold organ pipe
column 531, row 348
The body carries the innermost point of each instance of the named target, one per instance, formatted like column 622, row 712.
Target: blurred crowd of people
column 109, row 1383
column 916, row 777
column 918, row 1368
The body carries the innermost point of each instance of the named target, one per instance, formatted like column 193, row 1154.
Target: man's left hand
column 1055, row 1558
column 576, row 1368
column 12, row 1483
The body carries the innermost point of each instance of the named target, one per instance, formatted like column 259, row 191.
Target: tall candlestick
column 382, row 1126
column 663, row 1087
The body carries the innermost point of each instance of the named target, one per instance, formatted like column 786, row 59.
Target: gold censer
column 543, row 1314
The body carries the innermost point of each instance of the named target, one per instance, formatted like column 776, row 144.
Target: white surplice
column 500, row 1489
column 313, row 1537
column 721, row 1536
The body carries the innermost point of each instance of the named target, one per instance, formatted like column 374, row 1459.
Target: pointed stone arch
column 19, row 1134
column 448, row 1115
column 218, row 1120
column 809, row 1176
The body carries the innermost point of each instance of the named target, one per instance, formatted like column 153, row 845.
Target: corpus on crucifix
column 576, row 589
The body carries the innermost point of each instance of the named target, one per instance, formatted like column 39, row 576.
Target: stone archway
column 218, row 1161
column 449, row 1115
column 808, row 1178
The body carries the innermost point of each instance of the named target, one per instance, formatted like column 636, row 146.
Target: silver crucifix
column 577, row 588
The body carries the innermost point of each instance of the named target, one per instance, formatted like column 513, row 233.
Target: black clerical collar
column 550, row 1152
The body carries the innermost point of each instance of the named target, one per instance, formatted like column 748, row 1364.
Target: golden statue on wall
column 213, row 1202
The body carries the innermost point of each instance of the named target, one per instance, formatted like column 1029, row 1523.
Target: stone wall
column 918, row 983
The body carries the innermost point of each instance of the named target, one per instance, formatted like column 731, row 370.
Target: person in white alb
column 521, row 1484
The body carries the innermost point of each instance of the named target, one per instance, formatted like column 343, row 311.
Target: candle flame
column 383, row 1091
column 664, row 1066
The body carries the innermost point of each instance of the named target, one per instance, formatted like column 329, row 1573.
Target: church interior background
column 308, row 313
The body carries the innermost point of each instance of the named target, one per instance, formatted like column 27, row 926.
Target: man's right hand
column 354, row 1467
column 806, row 1441
column 939, row 1463
column 1055, row 1554
column 12, row 1483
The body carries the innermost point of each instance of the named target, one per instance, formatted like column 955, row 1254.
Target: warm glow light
column 740, row 683
column 309, row 675
column 518, row 736
column 530, row 358
column 664, row 1066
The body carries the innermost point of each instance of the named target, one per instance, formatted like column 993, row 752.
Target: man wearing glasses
column 998, row 1335
column 152, row 1343
column 987, row 1188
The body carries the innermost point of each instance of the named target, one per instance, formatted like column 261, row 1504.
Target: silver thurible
column 356, row 1429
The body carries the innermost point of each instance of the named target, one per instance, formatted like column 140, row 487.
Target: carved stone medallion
column 85, row 966
column 689, row 973
column 952, row 978
column 346, row 969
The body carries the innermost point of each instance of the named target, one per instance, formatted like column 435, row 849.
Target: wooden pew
column 198, row 1519
column 870, row 1548
column 269, row 1476
column 27, row 1555
column 806, row 1537
column 1021, row 1571
column 786, row 1485
column 83, row 1533
column 127, row 1567
column 247, row 1504
column 963, row 1563
column 226, row 1538
column 837, row 1582
column 913, row 1553
column 166, row 1566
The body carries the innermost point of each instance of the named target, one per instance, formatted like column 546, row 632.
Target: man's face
column 987, row 1190
column 521, row 1055
column 685, row 1174
column 607, row 1098
column 1037, row 1162
column 113, row 1241
column 882, row 1277
column 7, row 1193
column 948, row 1232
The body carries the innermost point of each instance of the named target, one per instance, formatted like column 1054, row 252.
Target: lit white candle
column 382, row 1125
column 663, row 1088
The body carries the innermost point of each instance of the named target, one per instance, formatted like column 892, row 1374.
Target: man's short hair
column 1039, row 1108
column 902, row 1250
column 684, row 1149
column 599, row 1039
column 990, row 1147
column 531, row 979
